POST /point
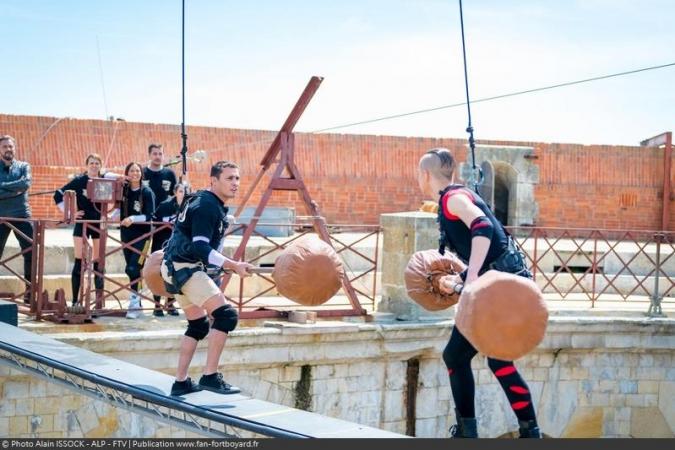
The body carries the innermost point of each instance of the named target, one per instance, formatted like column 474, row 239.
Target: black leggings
column 134, row 261
column 457, row 357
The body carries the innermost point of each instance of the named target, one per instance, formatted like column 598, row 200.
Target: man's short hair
column 7, row 137
column 153, row 146
column 440, row 162
column 218, row 167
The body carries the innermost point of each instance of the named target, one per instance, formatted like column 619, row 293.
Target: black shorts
column 92, row 230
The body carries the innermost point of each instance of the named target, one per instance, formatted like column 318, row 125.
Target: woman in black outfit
column 138, row 204
column 86, row 210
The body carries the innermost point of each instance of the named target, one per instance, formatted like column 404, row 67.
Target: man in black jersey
column 161, row 181
column 196, row 243
column 469, row 228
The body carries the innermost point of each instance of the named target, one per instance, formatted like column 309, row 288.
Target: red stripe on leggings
column 519, row 405
column 519, row 390
column 504, row 371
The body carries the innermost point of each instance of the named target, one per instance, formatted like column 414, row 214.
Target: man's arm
column 475, row 220
column 203, row 225
column 22, row 184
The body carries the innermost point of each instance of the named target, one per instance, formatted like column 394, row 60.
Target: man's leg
column 457, row 357
column 518, row 393
column 27, row 229
column 4, row 233
column 188, row 345
column 224, row 319
column 198, row 329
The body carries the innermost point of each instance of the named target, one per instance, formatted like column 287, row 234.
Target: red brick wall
column 354, row 178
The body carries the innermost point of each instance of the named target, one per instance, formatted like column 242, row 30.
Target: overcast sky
column 247, row 62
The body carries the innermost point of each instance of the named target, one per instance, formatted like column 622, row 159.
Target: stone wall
column 589, row 378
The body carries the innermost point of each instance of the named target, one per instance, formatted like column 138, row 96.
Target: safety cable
column 469, row 128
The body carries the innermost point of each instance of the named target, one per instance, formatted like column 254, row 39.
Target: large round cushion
column 422, row 277
column 309, row 271
column 504, row 316
column 151, row 274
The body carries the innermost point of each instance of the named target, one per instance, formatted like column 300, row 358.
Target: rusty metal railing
column 568, row 264
column 262, row 300
column 601, row 264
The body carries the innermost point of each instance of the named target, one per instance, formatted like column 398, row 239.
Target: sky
column 248, row 61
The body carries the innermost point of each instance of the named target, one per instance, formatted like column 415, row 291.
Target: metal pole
column 183, row 134
column 655, row 305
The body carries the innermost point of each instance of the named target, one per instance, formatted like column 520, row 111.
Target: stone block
column 16, row 389
column 628, row 387
column 290, row 373
column 4, row 427
column 585, row 423
column 635, row 400
column 19, row 425
column 302, row 316
column 394, row 406
column 598, row 399
column 24, row 406
column 648, row 387
column 649, row 373
column 7, row 407
column 649, row 423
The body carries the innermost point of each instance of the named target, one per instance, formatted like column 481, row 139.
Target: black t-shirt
column 204, row 215
column 166, row 211
column 161, row 182
column 79, row 185
column 136, row 203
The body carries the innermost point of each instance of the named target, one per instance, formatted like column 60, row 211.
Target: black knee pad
column 225, row 318
column 198, row 328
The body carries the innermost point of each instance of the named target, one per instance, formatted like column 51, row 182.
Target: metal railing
column 568, row 264
column 599, row 264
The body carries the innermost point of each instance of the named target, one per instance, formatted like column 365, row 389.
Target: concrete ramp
column 146, row 392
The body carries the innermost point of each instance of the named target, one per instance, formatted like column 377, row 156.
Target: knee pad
column 225, row 318
column 197, row 329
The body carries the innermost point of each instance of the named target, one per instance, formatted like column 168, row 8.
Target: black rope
column 469, row 128
column 183, row 134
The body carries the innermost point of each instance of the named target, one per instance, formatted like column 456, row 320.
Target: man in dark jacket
column 15, row 181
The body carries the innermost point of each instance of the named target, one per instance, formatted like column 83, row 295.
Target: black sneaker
column 158, row 312
column 184, row 387
column 172, row 311
column 215, row 383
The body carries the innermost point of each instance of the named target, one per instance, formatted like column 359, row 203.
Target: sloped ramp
column 144, row 391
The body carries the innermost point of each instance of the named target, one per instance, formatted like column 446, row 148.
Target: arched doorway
column 505, row 192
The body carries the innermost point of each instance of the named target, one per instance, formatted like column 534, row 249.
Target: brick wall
column 355, row 178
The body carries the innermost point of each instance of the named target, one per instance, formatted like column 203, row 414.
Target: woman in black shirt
column 86, row 210
column 138, row 204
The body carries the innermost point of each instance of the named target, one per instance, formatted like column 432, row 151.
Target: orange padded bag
column 503, row 315
column 309, row 271
column 423, row 274
column 152, row 276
